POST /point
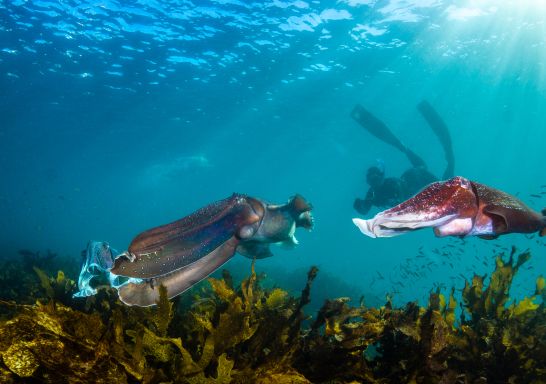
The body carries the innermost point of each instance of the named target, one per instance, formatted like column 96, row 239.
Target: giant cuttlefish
column 180, row 254
column 457, row 207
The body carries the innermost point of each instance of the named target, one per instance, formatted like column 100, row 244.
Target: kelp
column 225, row 332
column 229, row 335
column 492, row 342
column 22, row 276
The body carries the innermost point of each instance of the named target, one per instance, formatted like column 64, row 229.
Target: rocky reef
column 223, row 332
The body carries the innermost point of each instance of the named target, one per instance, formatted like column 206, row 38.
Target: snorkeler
column 390, row 191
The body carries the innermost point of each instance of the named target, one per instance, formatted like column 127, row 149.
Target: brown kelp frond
column 21, row 282
column 241, row 333
column 493, row 341
column 230, row 334
column 163, row 314
column 60, row 288
column 490, row 302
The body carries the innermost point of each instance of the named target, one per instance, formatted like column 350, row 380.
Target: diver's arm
column 363, row 206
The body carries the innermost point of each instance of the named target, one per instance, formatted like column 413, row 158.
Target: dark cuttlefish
column 457, row 207
column 180, row 254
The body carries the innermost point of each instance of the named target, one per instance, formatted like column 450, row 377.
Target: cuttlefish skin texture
column 180, row 254
column 456, row 207
column 169, row 247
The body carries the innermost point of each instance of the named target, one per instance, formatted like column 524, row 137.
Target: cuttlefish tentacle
column 456, row 207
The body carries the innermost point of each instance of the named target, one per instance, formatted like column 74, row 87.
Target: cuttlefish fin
column 146, row 293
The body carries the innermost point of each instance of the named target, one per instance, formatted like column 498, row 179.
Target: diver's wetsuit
column 390, row 191
column 393, row 190
column 387, row 194
column 415, row 179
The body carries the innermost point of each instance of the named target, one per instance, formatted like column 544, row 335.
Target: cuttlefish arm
column 456, row 207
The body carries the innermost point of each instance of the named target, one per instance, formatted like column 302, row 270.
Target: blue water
column 119, row 116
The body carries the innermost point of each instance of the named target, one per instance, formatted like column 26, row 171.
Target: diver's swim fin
column 442, row 132
column 415, row 160
column 377, row 128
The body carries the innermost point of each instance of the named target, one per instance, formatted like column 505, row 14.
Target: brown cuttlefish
column 180, row 254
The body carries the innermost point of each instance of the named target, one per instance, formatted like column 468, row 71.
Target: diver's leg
column 440, row 129
column 377, row 128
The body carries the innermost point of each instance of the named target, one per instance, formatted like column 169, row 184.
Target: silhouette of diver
column 390, row 191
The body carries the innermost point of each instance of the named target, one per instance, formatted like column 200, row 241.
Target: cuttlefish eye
column 247, row 231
